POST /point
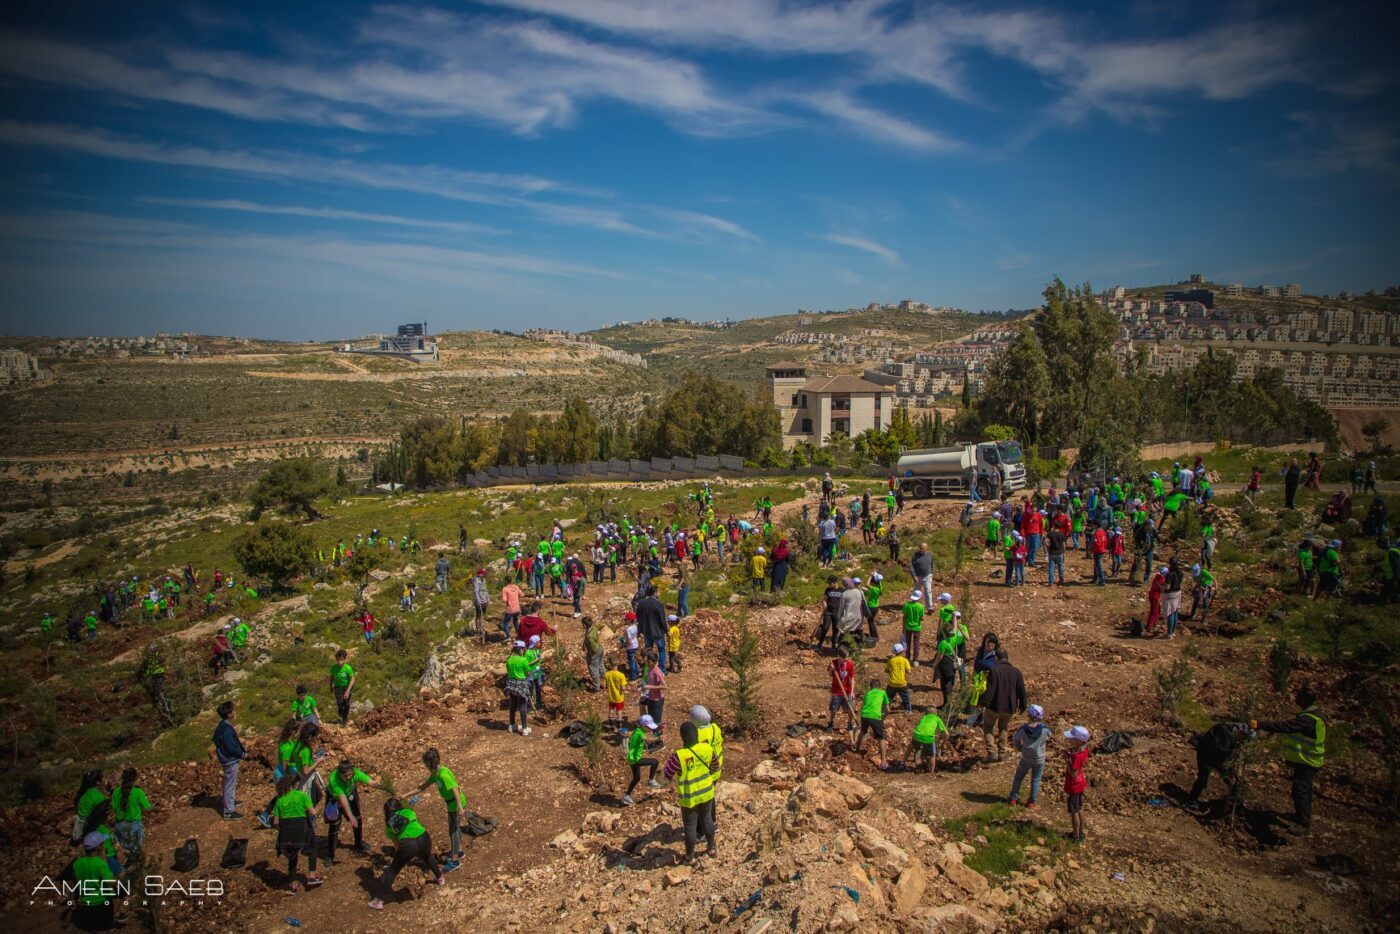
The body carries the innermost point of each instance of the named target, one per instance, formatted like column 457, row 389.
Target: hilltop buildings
column 814, row 408
column 16, row 367
column 412, row 342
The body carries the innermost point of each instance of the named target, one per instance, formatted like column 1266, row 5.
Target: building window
column 795, row 403
column 841, row 426
column 806, row 426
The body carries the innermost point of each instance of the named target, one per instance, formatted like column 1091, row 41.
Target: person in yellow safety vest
column 692, row 768
column 1307, row 743
column 708, row 732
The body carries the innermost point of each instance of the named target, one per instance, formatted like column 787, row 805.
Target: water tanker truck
column 996, row 466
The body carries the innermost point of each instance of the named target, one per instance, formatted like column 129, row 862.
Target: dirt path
column 20, row 565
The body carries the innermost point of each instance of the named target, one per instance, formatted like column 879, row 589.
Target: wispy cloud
column 508, row 191
column 289, row 210
column 876, row 124
column 862, row 244
column 404, row 260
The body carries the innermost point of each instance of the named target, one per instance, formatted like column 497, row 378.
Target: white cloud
column 290, row 210
column 511, row 192
column 403, row 260
column 861, row 243
column 867, row 121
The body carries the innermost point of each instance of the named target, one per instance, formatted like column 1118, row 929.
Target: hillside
column 740, row 353
column 206, row 424
column 812, row 835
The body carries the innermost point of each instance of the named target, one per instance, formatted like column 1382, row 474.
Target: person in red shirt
column 1098, row 547
column 1154, row 602
column 367, row 624
column 1076, row 757
column 532, row 625
column 843, row 686
column 1032, row 525
column 1061, row 522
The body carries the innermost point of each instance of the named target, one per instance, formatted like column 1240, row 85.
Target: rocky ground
column 812, row 836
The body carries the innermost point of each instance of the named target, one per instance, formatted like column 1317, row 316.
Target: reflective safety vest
column 711, row 736
column 696, row 782
column 1308, row 750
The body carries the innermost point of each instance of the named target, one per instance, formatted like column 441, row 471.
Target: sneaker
column 653, row 783
column 525, row 731
column 450, row 864
column 511, row 727
column 377, row 904
column 1030, row 805
column 1012, row 802
column 265, row 822
column 627, row 800
column 313, row 881
column 233, row 815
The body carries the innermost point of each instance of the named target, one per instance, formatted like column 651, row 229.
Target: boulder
column 969, row 880
column 770, row 772
column 950, row 853
column 677, row 876
column 853, row 791
column 601, row 821
column 909, row 888
column 816, row 797
column 792, row 749
column 883, row 854
column 564, row 840
column 434, row 674
column 733, row 791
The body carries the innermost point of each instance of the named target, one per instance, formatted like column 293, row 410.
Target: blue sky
column 320, row 170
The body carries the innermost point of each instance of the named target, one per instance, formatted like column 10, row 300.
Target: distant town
column 1341, row 351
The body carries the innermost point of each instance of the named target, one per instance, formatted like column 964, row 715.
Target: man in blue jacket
column 228, row 751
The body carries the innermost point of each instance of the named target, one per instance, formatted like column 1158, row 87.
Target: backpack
column 235, row 854
column 187, row 856
column 397, row 823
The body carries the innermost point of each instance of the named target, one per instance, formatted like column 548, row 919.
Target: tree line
column 698, row 415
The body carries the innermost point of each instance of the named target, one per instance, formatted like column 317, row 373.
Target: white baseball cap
column 945, row 597
column 1036, row 711
column 519, row 644
column 1080, row 733
column 898, row 648
column 916, row 595
column 646, row 721
column 673, row 618
column 876, row 576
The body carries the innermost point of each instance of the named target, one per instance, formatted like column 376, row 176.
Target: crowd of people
column 979, row 687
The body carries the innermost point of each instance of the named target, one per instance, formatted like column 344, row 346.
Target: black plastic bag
column 187, row 856
column 235, row 854
column 477, row 826
column 1115, row 741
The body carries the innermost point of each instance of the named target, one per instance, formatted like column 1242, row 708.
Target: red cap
column 631, row 617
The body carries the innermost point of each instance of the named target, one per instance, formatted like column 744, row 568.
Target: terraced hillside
column 740, row 353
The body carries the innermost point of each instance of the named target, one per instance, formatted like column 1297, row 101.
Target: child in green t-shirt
column 924, row 742
column 872, row 718
column 636, row 758
column 441, row 776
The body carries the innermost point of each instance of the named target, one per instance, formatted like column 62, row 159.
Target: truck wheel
column 984, row 489
column 920, row 490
